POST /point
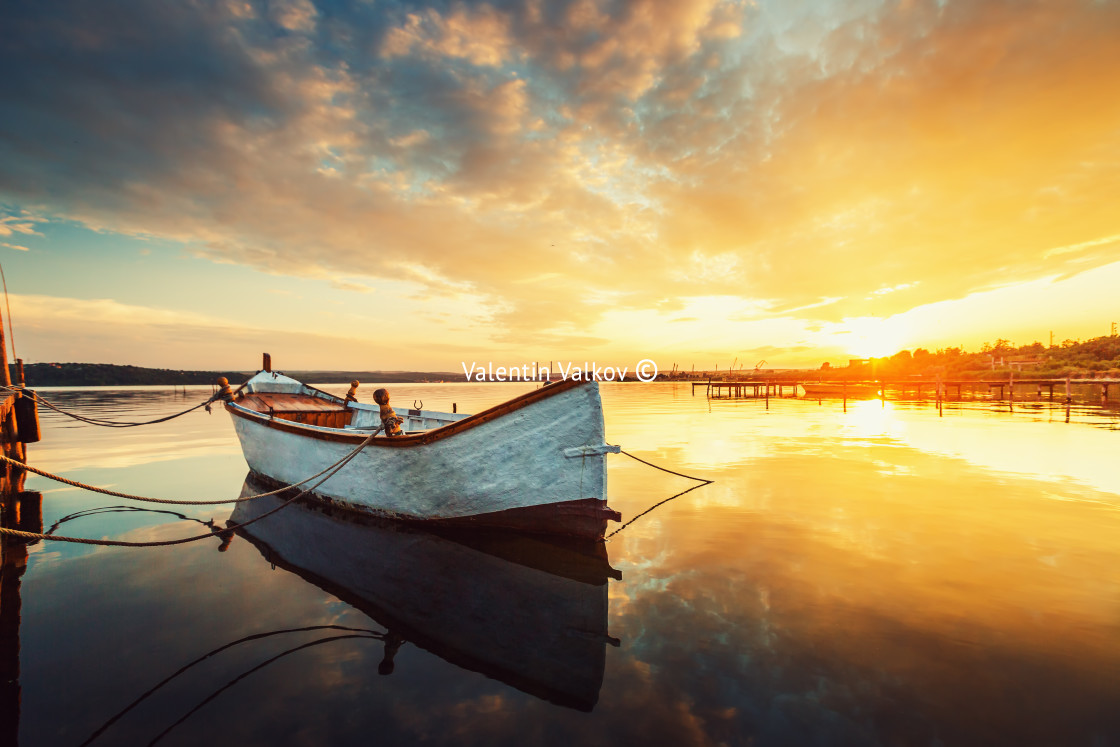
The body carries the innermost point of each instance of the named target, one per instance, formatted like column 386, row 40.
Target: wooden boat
column 535, row 463
column 529, row 612
column 838, row 389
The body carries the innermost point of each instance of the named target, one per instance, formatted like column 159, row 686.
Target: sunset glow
column 374, row 186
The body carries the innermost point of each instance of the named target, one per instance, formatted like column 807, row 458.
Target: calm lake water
column 885, row 575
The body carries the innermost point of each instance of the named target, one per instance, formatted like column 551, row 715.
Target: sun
column 873, row 337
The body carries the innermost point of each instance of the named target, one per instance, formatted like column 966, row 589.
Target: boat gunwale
column 323, row 433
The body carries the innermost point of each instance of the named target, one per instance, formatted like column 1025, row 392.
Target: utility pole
column 1051, row 338
column 1113, row 329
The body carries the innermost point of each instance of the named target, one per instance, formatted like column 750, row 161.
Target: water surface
column 885, row 574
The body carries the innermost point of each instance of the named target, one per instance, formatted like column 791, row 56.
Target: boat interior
column 326, row 411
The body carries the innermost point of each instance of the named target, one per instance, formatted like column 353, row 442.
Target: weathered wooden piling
column 9, row 431
column 11, row 604
column 22, row 510
column 19, row 509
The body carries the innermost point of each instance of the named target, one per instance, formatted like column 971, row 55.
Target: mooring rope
column 146, row 499
column 659, row 503
column 124, row 509
column 102, row 422
column 183, row 540
column 702, row 480
column 258, row 667
column 671, row 472
column 204, row 657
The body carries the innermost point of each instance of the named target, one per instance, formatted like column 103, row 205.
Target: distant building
column 859, row 362
column 1019, row 362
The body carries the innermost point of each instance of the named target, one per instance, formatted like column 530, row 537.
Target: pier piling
column 749, row 387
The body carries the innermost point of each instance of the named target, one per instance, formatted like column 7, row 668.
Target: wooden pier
column 748, row 388
column 894, row 389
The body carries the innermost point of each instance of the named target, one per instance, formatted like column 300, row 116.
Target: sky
column 381, row 185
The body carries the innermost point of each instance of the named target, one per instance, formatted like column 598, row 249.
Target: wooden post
column 1069, row 398
column 19, row 372
column 266, row 363
column 30, row 512
column 9, row 433
column 14, row 559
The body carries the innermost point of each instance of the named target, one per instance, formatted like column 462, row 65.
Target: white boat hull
column 549, row 452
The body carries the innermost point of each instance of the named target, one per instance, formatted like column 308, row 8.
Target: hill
column 1099, row 356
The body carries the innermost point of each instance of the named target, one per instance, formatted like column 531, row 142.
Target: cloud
column 351, row 286
column 96, row 330
column 804, row 157
column 293, row 15
column 108, row 312
column 480, row 36
column 21, row 223
column 1072, row 248
column 416, row 137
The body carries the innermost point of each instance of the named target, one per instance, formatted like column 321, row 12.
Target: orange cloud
column 563, row 162
column 480, row 35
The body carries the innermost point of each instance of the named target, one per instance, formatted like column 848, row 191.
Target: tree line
column 994, row 360
column 110, row 374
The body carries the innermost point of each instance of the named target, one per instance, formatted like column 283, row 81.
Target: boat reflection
column 530, row 612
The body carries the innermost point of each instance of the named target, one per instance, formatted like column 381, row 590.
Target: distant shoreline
column 1099, row 356
column 109, row 374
